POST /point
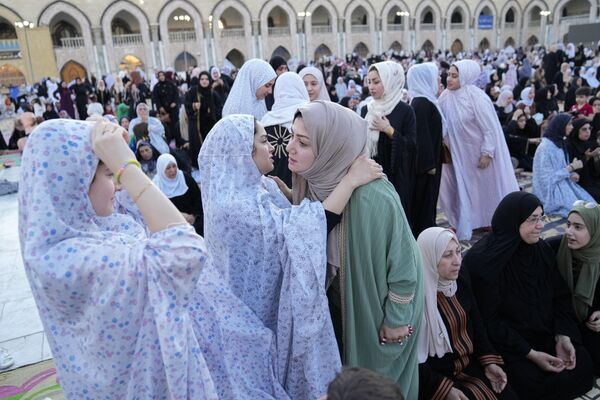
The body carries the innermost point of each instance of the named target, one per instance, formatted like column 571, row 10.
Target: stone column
column 155, row 48
column 101, row 63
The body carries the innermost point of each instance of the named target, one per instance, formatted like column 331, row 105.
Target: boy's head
column 362, row 384
column 581, row 95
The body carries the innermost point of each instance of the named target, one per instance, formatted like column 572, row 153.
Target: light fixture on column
column 402, row 13
column 545, row 13
column 26, row 25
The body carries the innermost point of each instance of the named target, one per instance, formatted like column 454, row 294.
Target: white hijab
column 392, row 78
column 422, row 81
column 290, row 94
column 503, row 102
column 170, row 187
column 433, row 338
column 323, row 94
column 242, row 97
column 525, row 97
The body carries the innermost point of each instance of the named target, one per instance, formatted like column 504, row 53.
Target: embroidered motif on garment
column 394, row 298
column 279, row 140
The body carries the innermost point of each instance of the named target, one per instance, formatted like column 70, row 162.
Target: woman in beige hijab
column 375, row 290
column 457, row 359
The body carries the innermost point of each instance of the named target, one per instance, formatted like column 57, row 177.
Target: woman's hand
column 574, row 177
column 456, row 394
column 380, row 124
column 566, row 352
column 576, row 164
column 496, row 376
column 484, row 161
column 593, row 322
column 394, row 335
column 108, row 143
column 287, row 192
column 545, row 361
column 189, row 218
column 362, row 171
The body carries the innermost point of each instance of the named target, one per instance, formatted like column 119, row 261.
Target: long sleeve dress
column 429, row 147
column 551, row 180
column 471, row 352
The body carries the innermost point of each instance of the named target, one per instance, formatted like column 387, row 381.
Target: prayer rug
column 33, row 382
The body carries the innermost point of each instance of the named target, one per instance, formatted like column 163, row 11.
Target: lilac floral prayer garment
column 115, row 303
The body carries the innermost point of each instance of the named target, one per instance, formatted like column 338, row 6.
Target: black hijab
column 556, row 131
column 491, row 255
column 277, row 61
column 576, row 146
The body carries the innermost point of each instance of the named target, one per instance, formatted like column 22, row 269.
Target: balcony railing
column 359, row 29
column 535, row 22
column 427, row 27
column 72, row 42
column 279, row 31
column 395, row 27
column 9, row 45
column 132, row 39
column 457, row 25
column 510, row 25
column 182, row 36
column 321, row 29
column 576, row 19
column 233, row 33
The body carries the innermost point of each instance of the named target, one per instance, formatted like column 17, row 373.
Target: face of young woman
column 125, row 123
column 281, row 69
column 204, row 81
column 143, row 112
column 146, row 153
column 376, row 88
column 449, row 265
column 585, row 132
column 531, row 229
column 452, row 81
column 522, row 121
column 171, row 171
column 312, row 86
column 262, row 150
column 568, row 129
column 265, row 90
column 577, row 233
column 102, row 191
column 300, row 153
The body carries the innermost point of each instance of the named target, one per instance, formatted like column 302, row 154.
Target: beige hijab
column 433, row 338
column 337, row 137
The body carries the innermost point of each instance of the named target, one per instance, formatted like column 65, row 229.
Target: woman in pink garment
column 481, row 172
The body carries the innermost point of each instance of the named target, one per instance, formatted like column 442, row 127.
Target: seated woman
column 290, row 93
column 583, row 146
column 579, row 264
column 156, row 130
column 518, row 138
column 554, row 176
column 115, row 302
column 147, row 155
column 504, row 107
column 271, row 253
column 373, row 257
column 456, row 356
column 181, row 189
column 525, row 305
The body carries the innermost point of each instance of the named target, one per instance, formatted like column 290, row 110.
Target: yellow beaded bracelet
column 122, row 169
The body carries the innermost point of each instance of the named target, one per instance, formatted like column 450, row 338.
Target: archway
column 7, row 30
column 509, row 18
column 396, row 46
column 281, row 52
column 320, row 20
column 71, row 70
column 11, row 76
column 236, row 58
column 456, row 47
column 427, row 46
column 510, row 42
column 184, row 61
column 322, row 51
column 361, row 49
column 359, row 17
column 130, row 63
column 484, row 44
column 427, row 16
column 532, row 41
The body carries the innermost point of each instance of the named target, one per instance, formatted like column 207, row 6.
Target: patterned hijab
column 242, row 97
column 433, row 338
column 589, row 256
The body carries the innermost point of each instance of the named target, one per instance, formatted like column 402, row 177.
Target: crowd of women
column 318, row 243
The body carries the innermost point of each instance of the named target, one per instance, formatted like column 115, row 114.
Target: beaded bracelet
column 122, row 169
